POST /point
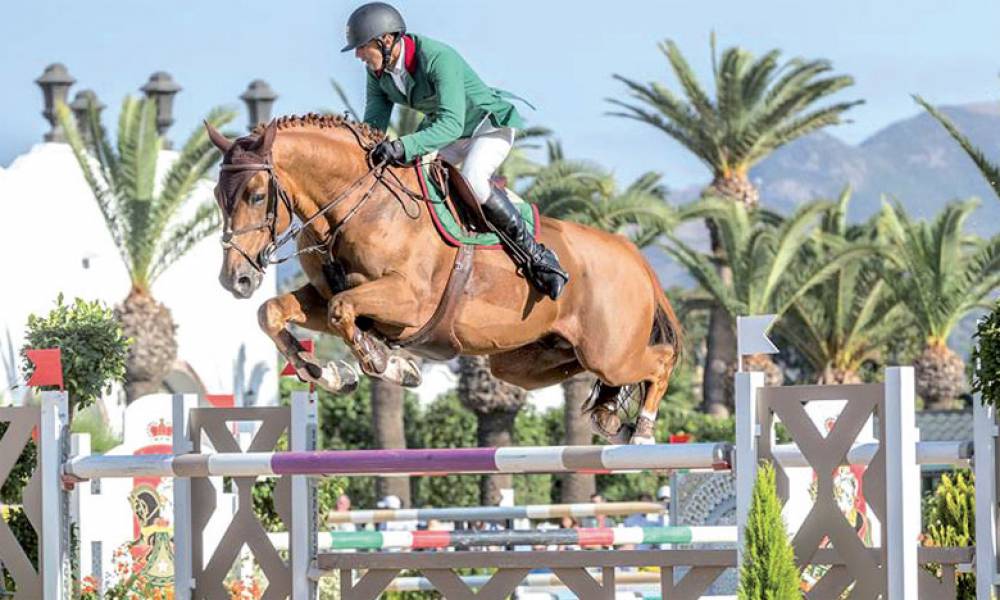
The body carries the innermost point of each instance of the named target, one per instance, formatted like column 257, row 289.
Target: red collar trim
column 409, row 54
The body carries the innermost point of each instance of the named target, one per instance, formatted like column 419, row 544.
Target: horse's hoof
column 608, row 426
column 337, row 378
column 349, row 376
column 401, row 371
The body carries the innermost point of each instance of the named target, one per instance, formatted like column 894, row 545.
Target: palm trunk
column 495, row 405
column 577, row 487
column 495, row 429
column 720, row 358
column 940, row 376
column 151, row 328
column 387, row 423
column 720, row 355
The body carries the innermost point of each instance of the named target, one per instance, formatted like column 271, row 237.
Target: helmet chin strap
column 387, row 51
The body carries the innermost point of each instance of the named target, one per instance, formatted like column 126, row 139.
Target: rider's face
column 370, row 55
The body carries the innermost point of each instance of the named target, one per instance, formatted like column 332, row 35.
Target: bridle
column 277, row 195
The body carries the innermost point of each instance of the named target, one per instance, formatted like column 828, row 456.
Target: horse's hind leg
column 653, row 367
column 306, row 307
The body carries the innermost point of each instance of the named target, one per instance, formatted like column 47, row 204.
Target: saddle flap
column 462, row 197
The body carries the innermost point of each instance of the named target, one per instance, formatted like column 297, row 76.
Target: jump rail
column 413, row 462
column 471, row 538
column 495, row 513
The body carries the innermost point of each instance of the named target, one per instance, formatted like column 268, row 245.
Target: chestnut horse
column 378, row 269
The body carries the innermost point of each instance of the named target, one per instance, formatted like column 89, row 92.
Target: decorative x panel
column 245, row 528
column 824, row 455
column 21, row 421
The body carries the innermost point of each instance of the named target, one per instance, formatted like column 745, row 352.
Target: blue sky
column 560, row 55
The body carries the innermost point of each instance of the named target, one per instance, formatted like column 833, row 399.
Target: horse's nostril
column 244, row 283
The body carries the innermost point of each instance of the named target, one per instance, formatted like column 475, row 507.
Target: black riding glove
column 389, row 152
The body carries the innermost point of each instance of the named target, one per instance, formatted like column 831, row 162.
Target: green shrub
column 92, row 343
column 768, row 571
column 951, row 522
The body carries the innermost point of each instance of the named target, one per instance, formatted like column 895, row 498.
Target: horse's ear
column 221, row 142
column 267, row 138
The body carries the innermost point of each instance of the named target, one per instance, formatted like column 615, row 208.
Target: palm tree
column 146, row 221
column 585, row 193
column 940, row 274
column 770, row 259
column 848, row 319
column 758, row 107
column 990, row 170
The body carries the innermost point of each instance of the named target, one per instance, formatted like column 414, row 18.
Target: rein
column 276, row 193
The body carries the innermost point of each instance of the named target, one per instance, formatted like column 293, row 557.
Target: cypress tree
column 768, row 571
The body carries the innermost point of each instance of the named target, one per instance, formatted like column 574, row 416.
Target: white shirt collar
column 400, row 65
column 398, row 70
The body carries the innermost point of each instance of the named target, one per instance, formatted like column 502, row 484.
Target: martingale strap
column 436, row 339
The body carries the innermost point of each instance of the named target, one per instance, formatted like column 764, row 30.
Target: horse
column 381, row 276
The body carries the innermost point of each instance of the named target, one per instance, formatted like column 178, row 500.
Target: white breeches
column 479, row 156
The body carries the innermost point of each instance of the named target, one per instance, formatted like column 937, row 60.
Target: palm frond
column 183, row 236
column 342, row 95
column 197, row 157
column 990, row 170
column 101, row 188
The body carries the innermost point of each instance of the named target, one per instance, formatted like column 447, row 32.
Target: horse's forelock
column 240, row 153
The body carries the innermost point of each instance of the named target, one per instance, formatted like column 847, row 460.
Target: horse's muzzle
column 242, row 283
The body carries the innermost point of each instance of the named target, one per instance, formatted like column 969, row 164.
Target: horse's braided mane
column 245, row 149
column 314, row 120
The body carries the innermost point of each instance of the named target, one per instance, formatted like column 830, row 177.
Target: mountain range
column 913, row 161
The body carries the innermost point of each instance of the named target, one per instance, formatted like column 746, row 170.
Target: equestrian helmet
column 370, row 21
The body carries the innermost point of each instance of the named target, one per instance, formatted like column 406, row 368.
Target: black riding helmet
column 370, row 21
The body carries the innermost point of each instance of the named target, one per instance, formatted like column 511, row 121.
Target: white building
column 55, row 241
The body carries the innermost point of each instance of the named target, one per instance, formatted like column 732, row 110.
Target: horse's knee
column 270, row 317
column 339, row 314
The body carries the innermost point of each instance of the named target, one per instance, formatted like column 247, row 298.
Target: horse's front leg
column 306, row 307
column 390, row 300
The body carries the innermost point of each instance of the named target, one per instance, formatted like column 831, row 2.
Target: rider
column 468, row 122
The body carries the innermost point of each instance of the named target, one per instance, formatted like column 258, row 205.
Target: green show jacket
column 451, row 95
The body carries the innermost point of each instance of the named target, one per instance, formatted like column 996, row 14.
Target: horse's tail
column 667, row 328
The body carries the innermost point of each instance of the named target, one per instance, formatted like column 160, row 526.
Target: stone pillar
column 55, row 83
column 259, row 98
column 161, row 89
column 81, row 108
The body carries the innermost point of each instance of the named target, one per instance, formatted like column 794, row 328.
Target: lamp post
column 55, row 83
column 259, row 98
column 81, row 104
column 161, row 89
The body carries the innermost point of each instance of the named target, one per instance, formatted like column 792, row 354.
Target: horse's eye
column 257, row 198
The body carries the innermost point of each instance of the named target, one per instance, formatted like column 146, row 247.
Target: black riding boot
column 540, row 265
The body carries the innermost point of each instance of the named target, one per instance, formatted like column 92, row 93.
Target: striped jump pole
column 547, row 580
column 496, row 513
column 471, row 538
column 414, row 462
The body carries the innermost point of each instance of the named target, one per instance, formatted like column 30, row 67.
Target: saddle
column 452, row 196
column 456, row 213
